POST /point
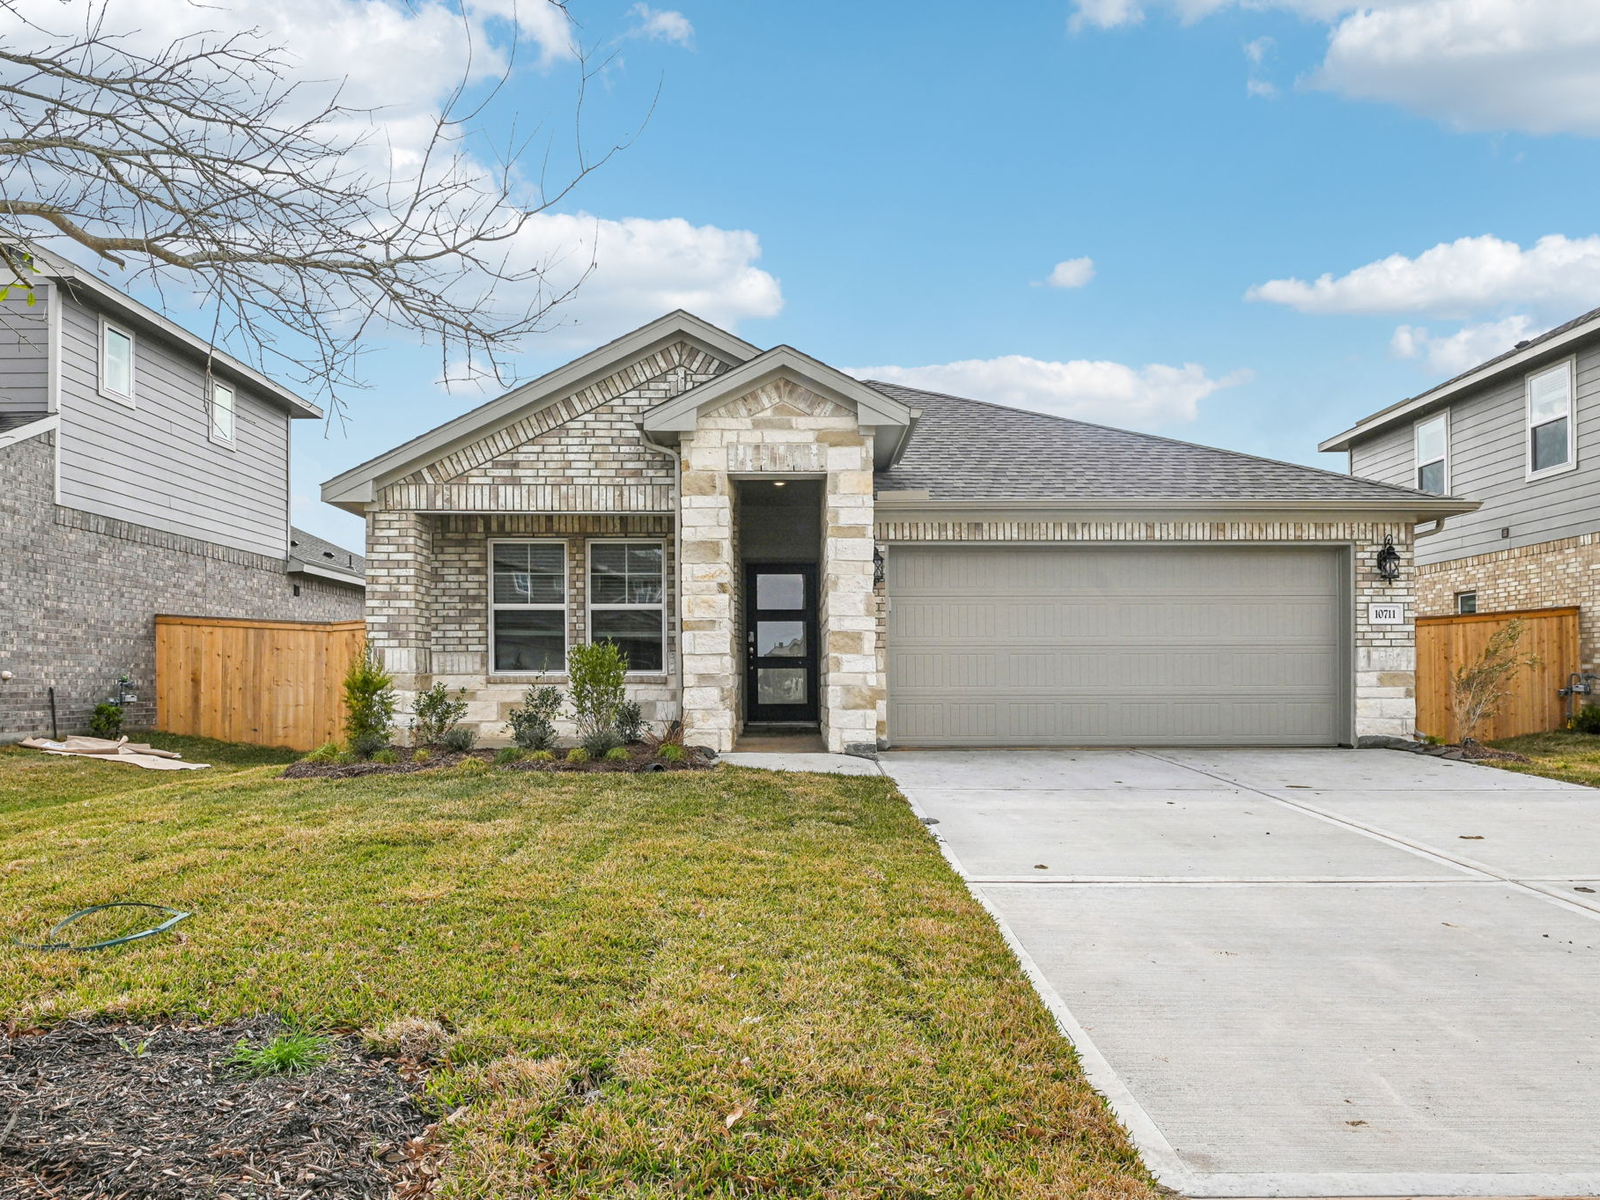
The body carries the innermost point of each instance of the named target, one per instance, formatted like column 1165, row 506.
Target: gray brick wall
column 79, row 594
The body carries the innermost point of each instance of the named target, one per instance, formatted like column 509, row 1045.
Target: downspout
column 677, row 556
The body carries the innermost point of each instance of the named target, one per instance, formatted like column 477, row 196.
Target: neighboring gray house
column 1521, row 435
column 776, row 545
column 141, row 472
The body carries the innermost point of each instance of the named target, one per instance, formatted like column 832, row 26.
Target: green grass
column 1560, row 754
column 727, row 983
column 286, row 1054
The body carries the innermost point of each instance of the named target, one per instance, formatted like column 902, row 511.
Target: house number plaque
column 1386, row 614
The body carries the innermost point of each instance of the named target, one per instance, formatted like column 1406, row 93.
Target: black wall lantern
column 877, row 565
column 1388, row 561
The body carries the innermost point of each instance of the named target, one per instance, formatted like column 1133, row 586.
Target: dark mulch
column 84, row 1115
column 640, row 758
column 1478, row 751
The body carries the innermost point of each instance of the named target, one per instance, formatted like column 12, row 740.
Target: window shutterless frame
column 1552, row 420
column 498, row 605
column 117, row 374
column 658, row 605
column 1430, row 451
column 223, row 412
column 1466, row 603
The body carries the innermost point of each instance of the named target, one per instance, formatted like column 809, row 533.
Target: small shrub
column 326, row 753
column 421, row 756
column 672, row 752
column 533, row 722
column 436, row 715
column 671, row 735
column 1479, row 687
column 286, row 1054
column 597, row 671
column 541, row 756
column 1587, row 719
column 385, row 755
column 630, row 721
column 618, row 754
column 106, row 721
column 369, row 704
column 508, row 755
column 458, row 739
column 472, row 766
column 577, row 756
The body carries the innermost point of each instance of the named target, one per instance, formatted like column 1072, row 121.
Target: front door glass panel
column 780, row 620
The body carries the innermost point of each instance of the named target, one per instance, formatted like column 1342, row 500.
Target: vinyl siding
column 1488, row 443
column 25, row 354
column 155, row 464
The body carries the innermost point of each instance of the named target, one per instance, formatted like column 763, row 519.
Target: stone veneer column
column 399, row 578
column 1386, row 655
column 706, row 575
column 851, row 683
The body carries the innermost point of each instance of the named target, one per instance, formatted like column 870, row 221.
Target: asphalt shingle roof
column 309, row 548
column 973, row 450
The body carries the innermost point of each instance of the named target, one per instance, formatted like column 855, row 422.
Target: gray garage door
column 1117, row 645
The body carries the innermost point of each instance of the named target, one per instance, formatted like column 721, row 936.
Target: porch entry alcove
column 779, row 546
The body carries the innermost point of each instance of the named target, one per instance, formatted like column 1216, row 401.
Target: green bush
column 106, row 721
column 533, row 722
column 436, row 714
column 596, row 672
column 541, row 756
column 508, row 755
column 618, row 754
column 673, row 752
column 421, row 757
column 460, row 738
column 1587, row 719
column 369, row 705
column 577, row 756
column 472, row 766
column 630, row 721
column 326, row 753
column 386, row 755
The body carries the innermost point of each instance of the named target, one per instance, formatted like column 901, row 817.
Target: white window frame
column 217, row 436
column 1416, row 461
column 1460, row 596
column 106, row 329
column 589, row 605
column 1570, row 366
column 565, row 607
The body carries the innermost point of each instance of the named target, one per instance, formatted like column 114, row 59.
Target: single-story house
column 775, row 544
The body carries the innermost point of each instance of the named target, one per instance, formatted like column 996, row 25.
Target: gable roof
column 1559, row 340
column 355, row 487
column 311, row 555
column 973, row 452
column 889, row 419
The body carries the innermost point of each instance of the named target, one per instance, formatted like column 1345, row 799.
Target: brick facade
column 1552, row 574
column 1385, row 655
column 79, row 594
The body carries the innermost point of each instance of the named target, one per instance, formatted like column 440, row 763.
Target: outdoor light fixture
column 877, row 564
column 779, row 482
column 1388, row 561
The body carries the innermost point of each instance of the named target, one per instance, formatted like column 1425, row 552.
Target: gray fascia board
column 911, row 507
column 1410, row 409
column 300, row 567
column 129, row 309
column 488, row 417
column 21, row 433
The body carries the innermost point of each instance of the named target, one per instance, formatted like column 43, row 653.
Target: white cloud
column 661, row 25
column 1111, row 392
column 1073, row 273
column 1258, row 50
column 1462, row 278
column 1471, row 64
column 1261, row 89
column 1464, row 349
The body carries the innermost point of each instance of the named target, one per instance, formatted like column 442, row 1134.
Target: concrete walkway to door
column 1304, row 973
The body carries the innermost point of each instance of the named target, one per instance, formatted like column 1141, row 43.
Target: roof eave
column 1418, row 509
column 298, row 566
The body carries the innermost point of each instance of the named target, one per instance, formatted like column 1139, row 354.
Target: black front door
column 780, row 613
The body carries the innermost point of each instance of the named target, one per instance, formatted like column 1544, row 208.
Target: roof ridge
column 1156, row 437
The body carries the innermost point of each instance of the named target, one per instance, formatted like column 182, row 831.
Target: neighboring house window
column 1466, row 603
column 528, row 605
column 116, row 363
column 1433, row 450
column 221, row 411
column 627, row 601
column 1550, row 445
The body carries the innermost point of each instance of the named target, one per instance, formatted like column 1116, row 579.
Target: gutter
column 677, row 551
column 295, row 566
column 21, row 433
column 1422, row 508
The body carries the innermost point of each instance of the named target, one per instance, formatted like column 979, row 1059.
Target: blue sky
column 890, row 185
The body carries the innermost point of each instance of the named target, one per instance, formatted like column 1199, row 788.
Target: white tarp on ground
column 122, row 750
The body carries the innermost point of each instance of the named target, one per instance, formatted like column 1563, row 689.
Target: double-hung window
column 222, row 404
column 627, row 601
column 1550, row 426
column 528, row 606
column 1432, row 448
column 116, row 363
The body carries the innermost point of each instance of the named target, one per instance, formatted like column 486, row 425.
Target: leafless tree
column 207, row 164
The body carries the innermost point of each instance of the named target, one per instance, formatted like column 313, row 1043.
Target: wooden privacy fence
column 1534, row 705
column 271, row 683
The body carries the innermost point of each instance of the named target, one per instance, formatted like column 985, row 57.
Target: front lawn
column 720, row 983
column 1559, row 754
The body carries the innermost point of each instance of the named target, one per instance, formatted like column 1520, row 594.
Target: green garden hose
column 52, row 942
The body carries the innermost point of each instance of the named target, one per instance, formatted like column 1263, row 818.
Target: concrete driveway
column 1304, row 973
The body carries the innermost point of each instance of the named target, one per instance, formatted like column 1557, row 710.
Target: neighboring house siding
column 1488, row 448
column 80, row 593
column 155, row 463
column 25, row 354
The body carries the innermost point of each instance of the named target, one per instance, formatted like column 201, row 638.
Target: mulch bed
column 1478, row 751
column 640, row 759
column 84, row 1115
